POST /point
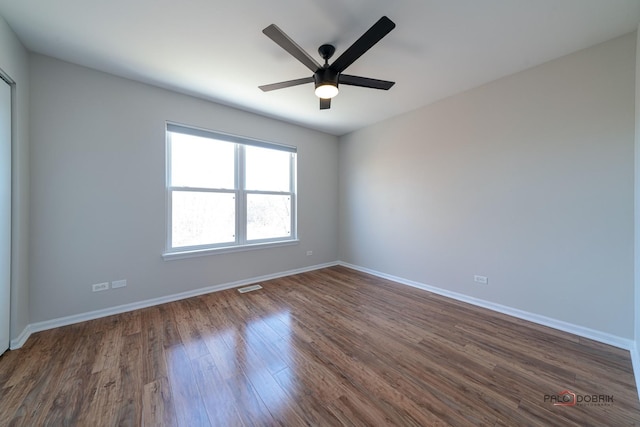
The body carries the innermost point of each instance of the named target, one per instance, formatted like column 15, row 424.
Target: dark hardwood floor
column 329, row 347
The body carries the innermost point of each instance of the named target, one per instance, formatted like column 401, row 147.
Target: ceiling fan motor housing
column 325, row 76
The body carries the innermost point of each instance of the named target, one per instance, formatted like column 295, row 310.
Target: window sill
column 169, row 256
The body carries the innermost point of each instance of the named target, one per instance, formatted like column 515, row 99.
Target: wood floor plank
column 157, row 405
column 37, row 398
column 252, row 410
column 187, row 329
column 154, row 366
column 107, row 392
column 131, row 388
column 37, row 350
column 324, row 348
column 218, row 400
column 187, row 401
column 309, row 408
column 75, row 386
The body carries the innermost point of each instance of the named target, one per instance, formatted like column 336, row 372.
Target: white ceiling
column 216, row 50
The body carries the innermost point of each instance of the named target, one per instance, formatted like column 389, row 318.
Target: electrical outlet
column 118, row 284
column 98, row 287
column 309, row 253
column 481, row 279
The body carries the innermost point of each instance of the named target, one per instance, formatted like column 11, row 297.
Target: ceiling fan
column 327, row 77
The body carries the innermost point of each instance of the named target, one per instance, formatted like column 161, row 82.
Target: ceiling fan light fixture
column 326, row 81
column 326, row 90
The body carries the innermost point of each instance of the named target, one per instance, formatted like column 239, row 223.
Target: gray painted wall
column 528, row 180
column 14, row 61
column 98, row 195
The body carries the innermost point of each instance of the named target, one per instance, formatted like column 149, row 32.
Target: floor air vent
column 249, row 289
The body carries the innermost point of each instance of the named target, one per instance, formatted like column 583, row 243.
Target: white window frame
column 241, row 243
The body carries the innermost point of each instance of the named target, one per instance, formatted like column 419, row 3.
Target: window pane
column 201, row 162
column 268, row 216
column 202, row 218
column 267, row 170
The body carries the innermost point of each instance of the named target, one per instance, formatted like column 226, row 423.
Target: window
column 226, row 191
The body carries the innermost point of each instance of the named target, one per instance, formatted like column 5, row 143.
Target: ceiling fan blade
column 288, row 83
column 346, row 79
column 325, row 104
column 363, row 44
column 285, row 42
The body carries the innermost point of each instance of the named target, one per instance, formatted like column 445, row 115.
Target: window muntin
column 227, row 191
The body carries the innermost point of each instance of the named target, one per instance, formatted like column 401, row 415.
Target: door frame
column 4, row 78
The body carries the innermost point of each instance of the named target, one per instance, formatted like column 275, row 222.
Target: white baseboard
column 581, row 331
column 82, row 317
column 20, row 339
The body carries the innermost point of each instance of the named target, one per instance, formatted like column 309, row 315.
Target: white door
column 5, row 212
